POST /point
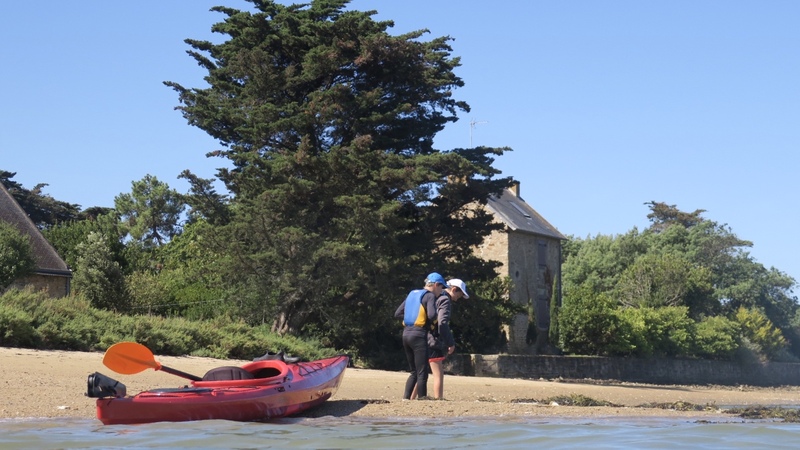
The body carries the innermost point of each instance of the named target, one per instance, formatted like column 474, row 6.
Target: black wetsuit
column 415, row 344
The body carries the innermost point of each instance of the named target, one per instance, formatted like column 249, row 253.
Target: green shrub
column 68, row 323
column 31, row 319
column 588, row 325
column 760, row 331
column 166, row 336
column 717, row 338
column 16, row 328
column 665, row 331
column 26, row 299
column 633, row 333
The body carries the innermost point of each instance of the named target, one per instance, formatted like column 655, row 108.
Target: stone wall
column 54, row 286
column 495, row 247
column 653, row 371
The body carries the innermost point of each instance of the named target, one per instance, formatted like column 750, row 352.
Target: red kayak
column 256, row 391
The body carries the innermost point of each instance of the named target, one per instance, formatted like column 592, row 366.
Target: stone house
column 529, row 248
column 51, row 274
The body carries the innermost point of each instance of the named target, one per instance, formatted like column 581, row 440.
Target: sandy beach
column 52, row 384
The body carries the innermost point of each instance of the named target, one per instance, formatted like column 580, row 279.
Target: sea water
column 372, row 433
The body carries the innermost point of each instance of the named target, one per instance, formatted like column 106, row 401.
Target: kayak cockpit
column 256, row 373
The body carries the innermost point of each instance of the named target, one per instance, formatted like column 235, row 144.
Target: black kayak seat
column 227, row 373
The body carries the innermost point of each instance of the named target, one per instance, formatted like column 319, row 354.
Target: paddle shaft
column 180, row 374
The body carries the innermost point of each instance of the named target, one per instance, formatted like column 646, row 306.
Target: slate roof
column 48, row 262
column 520, row 216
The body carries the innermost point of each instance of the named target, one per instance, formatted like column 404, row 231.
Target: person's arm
column 443, row 317
column 401, row 311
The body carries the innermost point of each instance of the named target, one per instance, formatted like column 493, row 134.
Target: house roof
column 520, row 216
column 48, row 261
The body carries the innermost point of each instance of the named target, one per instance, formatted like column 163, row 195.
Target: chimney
column 514, row 188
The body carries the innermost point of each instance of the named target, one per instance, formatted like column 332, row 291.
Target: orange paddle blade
column 129, row 358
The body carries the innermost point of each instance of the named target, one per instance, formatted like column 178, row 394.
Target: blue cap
column 434, row 277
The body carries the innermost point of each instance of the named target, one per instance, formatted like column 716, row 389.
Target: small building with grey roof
column 529, row 248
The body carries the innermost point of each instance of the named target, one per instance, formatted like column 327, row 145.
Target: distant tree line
column 684, row 287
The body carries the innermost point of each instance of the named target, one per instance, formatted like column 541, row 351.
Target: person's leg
column 420, row 346
column 414, row 393
column 437, row 373
column 411, row 382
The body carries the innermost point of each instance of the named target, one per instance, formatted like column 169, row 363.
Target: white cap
column 459, row 284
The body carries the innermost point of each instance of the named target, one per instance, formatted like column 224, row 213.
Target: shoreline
column 52, row 384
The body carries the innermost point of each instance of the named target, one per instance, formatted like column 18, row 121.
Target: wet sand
column 52, row 384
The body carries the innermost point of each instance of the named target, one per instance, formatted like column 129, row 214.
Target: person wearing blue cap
column 418, row 310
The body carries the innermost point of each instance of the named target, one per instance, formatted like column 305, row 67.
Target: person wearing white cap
column 418, row 311
column 440, row 338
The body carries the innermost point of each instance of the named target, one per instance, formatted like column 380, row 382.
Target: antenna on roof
column 472, row 124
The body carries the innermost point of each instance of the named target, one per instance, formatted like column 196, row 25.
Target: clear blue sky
column 607, row 104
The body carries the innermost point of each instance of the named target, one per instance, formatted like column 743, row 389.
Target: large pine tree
column 340, row 202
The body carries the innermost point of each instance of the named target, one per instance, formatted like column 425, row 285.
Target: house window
column 545, row 283
column 541, row 252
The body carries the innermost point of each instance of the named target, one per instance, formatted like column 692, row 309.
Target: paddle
column 129, row 358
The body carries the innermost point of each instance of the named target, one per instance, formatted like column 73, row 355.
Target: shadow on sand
column 339, row 408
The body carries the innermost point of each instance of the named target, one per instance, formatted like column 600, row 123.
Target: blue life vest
column 415, row 311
